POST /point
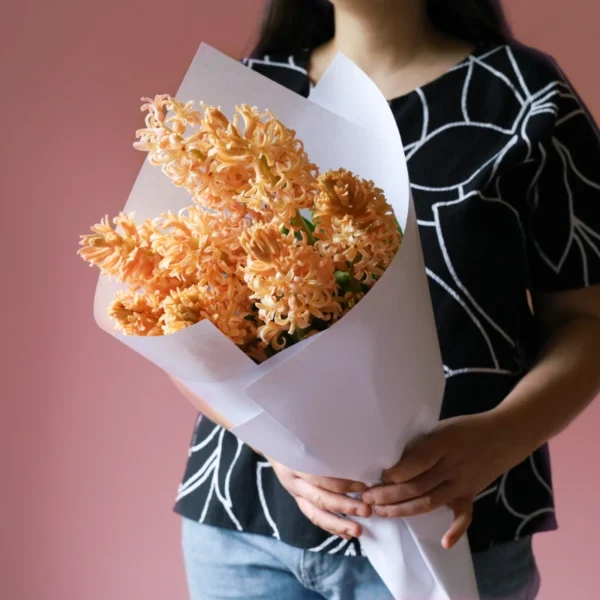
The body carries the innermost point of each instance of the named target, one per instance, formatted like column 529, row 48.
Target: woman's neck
column 392, row 41
column 380, row 35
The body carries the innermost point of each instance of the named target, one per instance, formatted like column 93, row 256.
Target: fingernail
column 364, row 512
column 358, row 487
column 367, row 498
column 380, row 512
column 350, row 533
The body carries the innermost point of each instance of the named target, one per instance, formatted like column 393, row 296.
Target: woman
column 503, row 159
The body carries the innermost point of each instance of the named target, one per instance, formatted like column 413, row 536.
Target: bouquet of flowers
column 261, row 266
column 243, row 255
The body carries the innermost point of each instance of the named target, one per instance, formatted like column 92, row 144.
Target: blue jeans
column 227, row 564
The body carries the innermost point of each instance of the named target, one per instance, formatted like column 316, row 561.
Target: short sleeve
column 564, row 203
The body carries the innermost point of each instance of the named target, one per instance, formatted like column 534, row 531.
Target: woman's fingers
column 319, row 498
column 396, row 493
column 463, row 516
column 330, row 501
column 419, row 457
column 436, row 498
column 328, row 521
column 333, row 484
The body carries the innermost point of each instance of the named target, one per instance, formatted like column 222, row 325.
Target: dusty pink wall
column 96, row 438
column 568, row 558
column 93, row 439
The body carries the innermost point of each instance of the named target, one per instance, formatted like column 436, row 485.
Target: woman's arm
column 463, row 455
column 566, row 378
column 201, row 405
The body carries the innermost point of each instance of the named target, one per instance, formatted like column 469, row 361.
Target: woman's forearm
column 564, row 381
column 201, row 405
column 204, row 408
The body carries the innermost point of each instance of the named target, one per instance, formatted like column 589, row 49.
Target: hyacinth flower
column 127, row 255
column 136, row 313
column 163, row 260
column 184, row 156
column 242, row 256
column 293, row 285
column 232, row 313
column 283, row 178
column 199, row 247
column 252, row 164
column 356, row 228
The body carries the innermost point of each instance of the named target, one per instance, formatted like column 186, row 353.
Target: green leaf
column 310, row 225
column 303, row 225
column 398, row 227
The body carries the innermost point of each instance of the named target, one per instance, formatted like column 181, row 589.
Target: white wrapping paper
column 345, row 402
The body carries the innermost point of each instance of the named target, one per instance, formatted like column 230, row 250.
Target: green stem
column 347, row 281
column 399, row 228
column 267, row 170
column 355, row 285
column 299, row 223
column 198, row 155
column 299, row 334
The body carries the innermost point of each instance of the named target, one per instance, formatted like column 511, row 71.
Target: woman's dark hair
column 293, row 25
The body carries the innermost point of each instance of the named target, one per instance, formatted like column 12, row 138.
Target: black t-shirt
column 504, row 162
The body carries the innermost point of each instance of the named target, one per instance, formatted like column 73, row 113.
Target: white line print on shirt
column 263, row 500
column 341, row 546
column 199, row 477
column 204, row 442
column 266, row 60
column 454, row 275
column 425, row 129
column 210, row 471
column 452, row 293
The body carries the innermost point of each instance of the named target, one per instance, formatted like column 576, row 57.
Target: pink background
column 93, row 438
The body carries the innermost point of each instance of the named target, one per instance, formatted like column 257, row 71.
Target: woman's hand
column 319, row 498
column 449, row 467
